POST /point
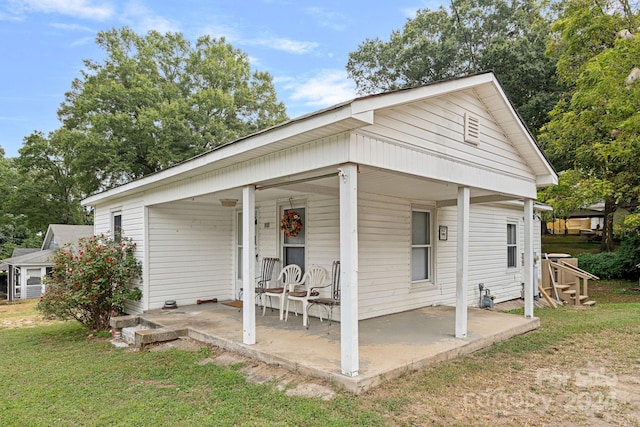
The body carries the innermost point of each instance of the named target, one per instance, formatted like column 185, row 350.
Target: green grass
column 570, row 244
column 604, row 337
column 55, row 375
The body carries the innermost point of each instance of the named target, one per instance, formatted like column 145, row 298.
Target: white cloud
column 410, row 12
column 71, row 27
column 283, row 44
column 329, row 19
column 88, row 9
column 327, row 88
column 218, row 31
column 142, row 19
column 82, row 42
column 7, row 17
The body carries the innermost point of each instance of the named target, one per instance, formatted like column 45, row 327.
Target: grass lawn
column 569, row 244
column 580, row 368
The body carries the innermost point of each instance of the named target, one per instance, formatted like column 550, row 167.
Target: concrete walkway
column 389, row 345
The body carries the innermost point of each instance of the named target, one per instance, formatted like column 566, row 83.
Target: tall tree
column 14, row 225
column 469, row 36
column 52, row 184
column 157, row 100
column 595, row 130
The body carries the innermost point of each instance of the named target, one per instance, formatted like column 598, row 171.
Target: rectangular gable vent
column 471, row 129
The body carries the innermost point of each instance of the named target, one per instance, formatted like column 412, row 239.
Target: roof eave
column 340, row 114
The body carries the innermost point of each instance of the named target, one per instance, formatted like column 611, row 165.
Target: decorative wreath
column 291, row 223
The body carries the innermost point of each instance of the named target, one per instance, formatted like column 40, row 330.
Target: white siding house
column 421, row 194
column 26, row 270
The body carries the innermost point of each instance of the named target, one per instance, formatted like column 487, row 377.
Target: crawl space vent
column 471, row 129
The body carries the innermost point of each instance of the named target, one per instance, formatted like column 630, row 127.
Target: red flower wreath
column 291, row 223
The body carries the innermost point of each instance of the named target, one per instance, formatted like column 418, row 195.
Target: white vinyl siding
column 132, row 212
column 190, row 253
column 384, row 229
column 427, row 139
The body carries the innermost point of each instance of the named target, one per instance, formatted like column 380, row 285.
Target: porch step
column 583, row 298
column 562, row 287
column 589, row 303
column 571, row 293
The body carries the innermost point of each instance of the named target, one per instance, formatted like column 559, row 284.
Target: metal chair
column 334, row 300
column 313, row 277
column 264, row 279
column 289, row 275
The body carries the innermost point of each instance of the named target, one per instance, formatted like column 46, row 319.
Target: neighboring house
column 421, row 193
column 588, row 221
column 26, row 267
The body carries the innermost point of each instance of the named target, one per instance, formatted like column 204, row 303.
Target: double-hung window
column 116, row 226
column 420, row 245
column 512, row 245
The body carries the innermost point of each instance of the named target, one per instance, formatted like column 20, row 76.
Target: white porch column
column 462, row 262
column 529, row 280
column 350, row 353
column 248, row 265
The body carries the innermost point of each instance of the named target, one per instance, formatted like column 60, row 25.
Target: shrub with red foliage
column 91, row 280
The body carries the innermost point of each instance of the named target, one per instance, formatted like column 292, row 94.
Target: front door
column 238, row 263
column 294, row 247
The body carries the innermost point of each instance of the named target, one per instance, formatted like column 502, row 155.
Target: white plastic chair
column 302, row 292
column 289, row 275
column 332, row 301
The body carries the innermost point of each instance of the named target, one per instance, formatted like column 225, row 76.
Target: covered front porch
column 389, row 346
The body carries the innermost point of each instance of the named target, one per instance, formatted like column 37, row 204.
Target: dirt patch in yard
column 22, row 314
column 591, row 379
column 256, row 372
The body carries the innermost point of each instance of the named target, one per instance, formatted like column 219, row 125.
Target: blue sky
column 303, row 44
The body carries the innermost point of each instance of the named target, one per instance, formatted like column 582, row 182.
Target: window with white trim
column 512, row 245
column 294, row 248
column 116, row 225
column 420, row 245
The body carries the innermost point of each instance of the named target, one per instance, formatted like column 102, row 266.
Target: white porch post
column 350, row 353
column 462, row 262
column 529, row 280
column 248, row 265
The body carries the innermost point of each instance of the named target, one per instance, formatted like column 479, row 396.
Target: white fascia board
column 277, row 133
column 537, row 206
column 404, row 96
column 546, row 180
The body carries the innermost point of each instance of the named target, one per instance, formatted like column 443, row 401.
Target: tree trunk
column 607, row 230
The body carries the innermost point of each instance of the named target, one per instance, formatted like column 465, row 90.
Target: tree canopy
column 157, row 100
column 595, row 129
column 467, row 37
column 153, row 101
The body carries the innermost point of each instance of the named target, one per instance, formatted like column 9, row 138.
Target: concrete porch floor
column 389, row 345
